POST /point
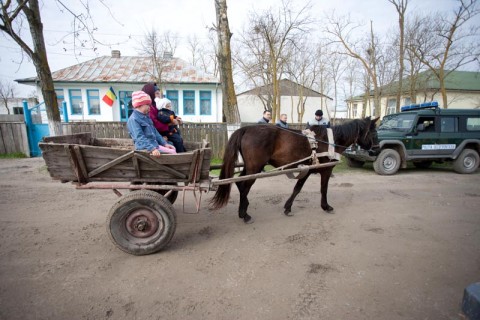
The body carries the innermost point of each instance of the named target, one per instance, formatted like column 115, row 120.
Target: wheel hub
column 142, row 223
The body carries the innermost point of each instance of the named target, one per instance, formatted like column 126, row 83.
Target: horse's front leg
column 325, row 174
column 244, row 188
column 296, row 191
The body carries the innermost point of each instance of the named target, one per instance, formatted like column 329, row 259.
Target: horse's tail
column 220, row 199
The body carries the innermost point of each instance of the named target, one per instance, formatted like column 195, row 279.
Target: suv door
column 423, row 141
column 450, row 135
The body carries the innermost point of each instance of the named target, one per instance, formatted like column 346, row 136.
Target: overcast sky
column 130, row 20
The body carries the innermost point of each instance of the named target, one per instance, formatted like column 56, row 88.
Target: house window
column 407, row 101
column 189, row 102
column 17, row 110
column 60, row 99
column 391, row 106
column 354, row 110
column 93, row 98
column 76, row 103
column 172, row 95
column 205, row 103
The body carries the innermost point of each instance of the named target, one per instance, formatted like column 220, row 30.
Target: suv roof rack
column 426, row 105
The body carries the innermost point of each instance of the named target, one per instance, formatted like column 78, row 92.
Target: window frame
column 205, row 99
column 71, row 97
column 188, row 99
column 89, row 99
column 172, row 95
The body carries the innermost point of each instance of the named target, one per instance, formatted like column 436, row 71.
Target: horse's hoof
column 328, row 209
column 248, row 220
column 288, row 212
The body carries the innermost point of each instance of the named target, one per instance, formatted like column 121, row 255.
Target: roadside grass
column 15, row 155
column 343, row 167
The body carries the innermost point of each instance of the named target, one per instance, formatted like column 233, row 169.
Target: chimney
column 115, row 53
column 167, row 55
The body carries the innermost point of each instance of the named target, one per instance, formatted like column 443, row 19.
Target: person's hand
column 179, row 120
column 155, row 153
column 175, row 122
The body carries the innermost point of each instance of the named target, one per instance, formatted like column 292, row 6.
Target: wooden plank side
column 110, row 164
column 84, row 138
column 7, row 137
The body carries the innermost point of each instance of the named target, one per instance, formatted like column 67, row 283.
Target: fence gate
column 37, row 126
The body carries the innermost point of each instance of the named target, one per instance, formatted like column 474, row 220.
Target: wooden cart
column 143, row 220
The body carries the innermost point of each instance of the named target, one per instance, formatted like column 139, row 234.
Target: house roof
column 454, row 81
column 287, row 88
column 128, row 70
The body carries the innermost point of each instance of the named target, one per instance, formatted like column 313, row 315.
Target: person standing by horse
column 319, row 120
column 282, row 122
column 267, row 116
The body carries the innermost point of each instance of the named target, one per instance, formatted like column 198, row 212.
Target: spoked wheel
column 141, row 222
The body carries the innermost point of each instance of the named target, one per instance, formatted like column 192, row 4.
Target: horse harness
column 331, row 154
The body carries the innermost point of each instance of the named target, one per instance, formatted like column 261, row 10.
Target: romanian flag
column 109, row 97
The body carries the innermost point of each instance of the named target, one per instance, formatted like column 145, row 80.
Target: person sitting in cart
column 167, row 116
column 141, row 129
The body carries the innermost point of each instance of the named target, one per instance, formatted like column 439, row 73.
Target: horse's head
column 367, row 136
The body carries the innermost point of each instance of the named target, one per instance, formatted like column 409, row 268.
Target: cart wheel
column 141, row 222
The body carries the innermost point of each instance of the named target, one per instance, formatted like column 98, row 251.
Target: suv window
column 473, row 124
column 428, row 123
column 397, row 122
column 449, row 124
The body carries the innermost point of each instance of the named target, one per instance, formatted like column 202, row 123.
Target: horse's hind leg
column 296, row 191
column 244, row 189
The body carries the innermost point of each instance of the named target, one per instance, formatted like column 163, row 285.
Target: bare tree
column 12, row 17
column 195, row 49
column 272, row 35
column 335, row 68
column 401, row 7
column 230, row 106
column 303, row 70
column 160, row 48
column 445, row 43
column 365, row 52
column 7, row 91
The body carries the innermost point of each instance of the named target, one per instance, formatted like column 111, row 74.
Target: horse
column 262, row 144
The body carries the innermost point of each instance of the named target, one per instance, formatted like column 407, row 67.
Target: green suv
column 424, row 133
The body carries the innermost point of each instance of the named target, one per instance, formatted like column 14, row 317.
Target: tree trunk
column 39, row 58
column 230, row 107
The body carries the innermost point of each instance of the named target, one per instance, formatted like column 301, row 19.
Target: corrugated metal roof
column 129, row 70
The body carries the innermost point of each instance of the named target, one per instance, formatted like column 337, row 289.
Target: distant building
column 463, row 92
column 251, row 103
column 196, row 96
column 15, row 105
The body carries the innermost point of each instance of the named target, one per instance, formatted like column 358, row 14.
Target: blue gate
column 36, row 129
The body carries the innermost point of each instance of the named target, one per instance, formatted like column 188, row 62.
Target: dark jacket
column 149, row 89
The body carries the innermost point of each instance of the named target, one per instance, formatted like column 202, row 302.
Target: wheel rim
column 389, row 163
column 469, row 162
column 143, row 223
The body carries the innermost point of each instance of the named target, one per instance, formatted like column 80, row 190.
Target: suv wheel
column 353, row 163
column 467, row 161
column 387, row 162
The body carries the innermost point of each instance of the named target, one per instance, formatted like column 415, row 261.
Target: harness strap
column 331, row 154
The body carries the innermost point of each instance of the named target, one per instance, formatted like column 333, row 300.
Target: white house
column 252, row 103
column 463, row 92
column 196, row 96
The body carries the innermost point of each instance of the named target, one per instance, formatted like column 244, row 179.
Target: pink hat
column 140, row 98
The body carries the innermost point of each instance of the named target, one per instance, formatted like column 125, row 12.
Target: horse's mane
column 344, row 132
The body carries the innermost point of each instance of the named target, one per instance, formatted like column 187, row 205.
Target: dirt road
column 399, row 247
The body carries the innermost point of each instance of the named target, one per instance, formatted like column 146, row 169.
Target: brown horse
column 260, row 145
